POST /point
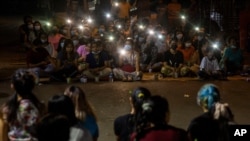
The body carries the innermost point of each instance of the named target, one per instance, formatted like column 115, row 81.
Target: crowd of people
column 126, row 46
column 69, row 117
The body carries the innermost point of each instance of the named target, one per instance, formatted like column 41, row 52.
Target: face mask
column 37, row 27
column 86, row 37
column 200, row 38
column 141, row 39
column 187, row 44
column 64, row 31
column 30, row 26
column 101, row 30
column 62, row 44
column 75, row 42
column 233, row 46
column 43, row 41
column 179, row 36
column 73, row 33
column 127, row 47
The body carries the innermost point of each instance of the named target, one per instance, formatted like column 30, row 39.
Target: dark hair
column 59, row 48
column 23, row 83
column 62, row 104
column 27, row 17
column 53, row 127
column 153, row 111
column 72, row 53
column 139, row 95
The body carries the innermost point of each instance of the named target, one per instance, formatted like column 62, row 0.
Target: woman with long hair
column 124, row 125
column 83, row 111
column 22, row 111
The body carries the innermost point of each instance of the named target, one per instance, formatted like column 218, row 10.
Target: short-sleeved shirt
column 96, row 60
column 27, row 117
column 235, row 57
column 209, row 65
column 173, row 59
column 123, row 127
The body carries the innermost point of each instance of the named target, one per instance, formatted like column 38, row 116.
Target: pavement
column 110, row 100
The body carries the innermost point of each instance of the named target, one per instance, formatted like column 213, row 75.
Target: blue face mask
column 127, row 47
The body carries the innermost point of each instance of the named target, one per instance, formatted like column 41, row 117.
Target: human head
column 37, row 25
column 96, row 47
column 156, row 110
column 210, row 53
column 138, row 96
column 232, row 42
column 207, row 96
column 43, row 37
column 173, row 46
column 63, row 105
column 53, row 127
column 79, row 99
column 23, row 82
column 27, row 19
column 68, row 45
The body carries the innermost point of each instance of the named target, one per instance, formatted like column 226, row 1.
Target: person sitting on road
column 213, row 124
column 39, row 61
column 67, row 62
column 128, row 64
column 24, row 31
column 83, row 50
column 152, row 122
column 187, row 50
column 209, row 67
column 173, row 61
column 38, row 28
column 124, row 125
column 232, row 59
column 84, row 112
column 42, row 40
column 23, row 109
column 54, row 36
column 97, row 63
column 63, row 105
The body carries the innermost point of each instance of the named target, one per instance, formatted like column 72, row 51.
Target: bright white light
column 68, row 21
column 215, row 45
column 108, row 15
column 119, row 26
column 160, row 36
column 116, row 4
column 151, row 32
column 48, row 24
column 197, row 28
column 183, row 17
column 122, row 52
column 141, row 26
column 111, row 38
column 89, row 20
column 80, row 27
column 101, row 35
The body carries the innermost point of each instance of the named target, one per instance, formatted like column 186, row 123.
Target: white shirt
column 209, row 65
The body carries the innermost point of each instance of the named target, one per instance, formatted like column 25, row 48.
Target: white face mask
column 187, row 44
column 43, row 41
column 199, row 38
column 37, row 27
column 127, row 47
column 233, row 46
column 62, row 44
column 75, row 42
